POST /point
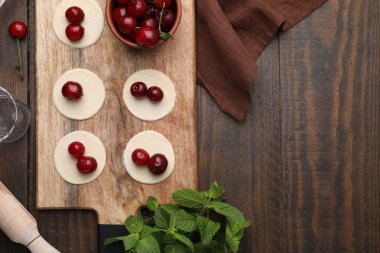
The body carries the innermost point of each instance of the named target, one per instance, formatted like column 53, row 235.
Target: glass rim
column 16, row 113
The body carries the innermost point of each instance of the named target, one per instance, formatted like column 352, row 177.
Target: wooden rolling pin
column 19, row 225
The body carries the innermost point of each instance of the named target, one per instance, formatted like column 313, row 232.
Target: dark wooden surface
column 305, row 167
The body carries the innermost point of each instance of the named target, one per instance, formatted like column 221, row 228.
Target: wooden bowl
column 119, row 35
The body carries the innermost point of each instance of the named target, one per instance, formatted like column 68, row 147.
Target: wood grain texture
column 114, row 195
column 246, row 158
column 331, row 131
column 13, row 157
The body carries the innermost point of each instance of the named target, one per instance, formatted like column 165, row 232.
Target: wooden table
column 305, row 167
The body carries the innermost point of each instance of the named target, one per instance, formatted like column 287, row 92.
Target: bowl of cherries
column 143, row 23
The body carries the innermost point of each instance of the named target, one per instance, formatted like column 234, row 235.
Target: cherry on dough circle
column 65, row 164
column 93, row 22
column 89, row 104
column 142, row 107
column 153, row 143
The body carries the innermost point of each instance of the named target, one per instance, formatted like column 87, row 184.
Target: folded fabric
column 231, row 35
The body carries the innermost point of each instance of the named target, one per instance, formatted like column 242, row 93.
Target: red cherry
column 168, row 19
column 76, row 149
column 127, row 24
column 159, row 4
column 139, row 89
column 74, row 32
column 18, row 30
column 72, row 90
column 74, row 15
column 151, row 23
column 86, row 164
column 118, row 12
column 122, row 2
column 146, row 37
column 158, row 164
column 140, row 157
column 137, row 8
column 155, row 94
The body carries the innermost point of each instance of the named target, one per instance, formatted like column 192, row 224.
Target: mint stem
column 19, row 68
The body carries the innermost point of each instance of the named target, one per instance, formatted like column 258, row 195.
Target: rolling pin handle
column 39, row 245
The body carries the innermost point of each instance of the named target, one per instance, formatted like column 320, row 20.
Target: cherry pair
column 154, row 93
column 75, row 16
column 85, row 164
column 157, row 164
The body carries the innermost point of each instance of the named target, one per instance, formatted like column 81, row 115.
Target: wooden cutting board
column 114, row 195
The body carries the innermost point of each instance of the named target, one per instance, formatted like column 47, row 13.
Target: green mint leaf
column 232, row 241
column 215, row 191
column 185, row 221
column 175, row 248
column 146, row 230
column 190, row 198
column 207, row 229
column 161, row 217
column 134, row 224
column 172, row 222
column 152, row 204
column 128, row 241
column 233, row 215
column 170, row 208
column 183, row 239
column 147, row 244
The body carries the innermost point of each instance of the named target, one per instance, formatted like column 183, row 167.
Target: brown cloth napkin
column 231, row 34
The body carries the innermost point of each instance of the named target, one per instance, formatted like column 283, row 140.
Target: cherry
column 158, row 164
column 72, row 90
column 155, row 94
column 146, row 37
column 118, row 12
column 74, row 32
column 139, row 89
column 140, row 157
column 127, row 24
column 76, row 149
column 150, row 22
column 74, row 15
column 168, row 19
column 159, row 4
column 18, row 30
column 87, row 164
column 122, row 2
column 137, row 8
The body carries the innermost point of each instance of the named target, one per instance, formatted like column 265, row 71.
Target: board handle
column 19, row 225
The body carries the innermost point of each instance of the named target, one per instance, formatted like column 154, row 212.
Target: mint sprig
column 200, row 222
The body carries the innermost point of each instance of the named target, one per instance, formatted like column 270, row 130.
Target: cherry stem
column 161, row 14
column 19, row 68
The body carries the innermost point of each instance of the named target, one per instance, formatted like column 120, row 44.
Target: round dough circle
column 93, row 22
column 153, row 143
column 65, row 164
column 89, row 104
column 143, row 108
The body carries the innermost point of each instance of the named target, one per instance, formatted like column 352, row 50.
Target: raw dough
column 153, row 143
column 143, row 108
column 89, row 104
column 66, row 164
column 93, row 22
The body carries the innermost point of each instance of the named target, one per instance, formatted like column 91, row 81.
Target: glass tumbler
column 14, row 117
